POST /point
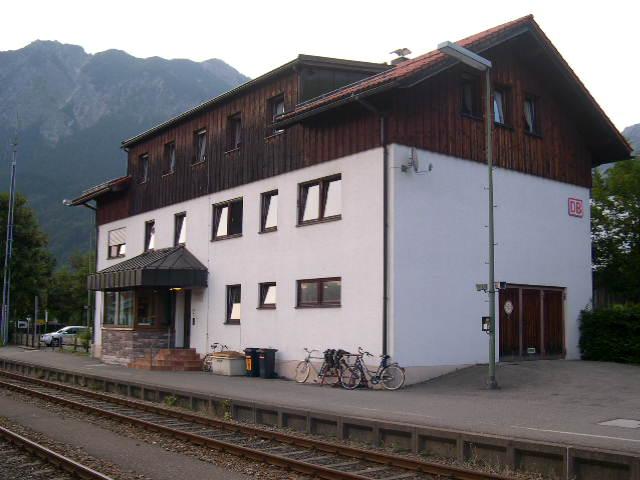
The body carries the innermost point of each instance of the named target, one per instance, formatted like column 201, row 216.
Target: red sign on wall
column 575, row 207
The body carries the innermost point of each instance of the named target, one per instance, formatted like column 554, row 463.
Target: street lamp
column 480, row 63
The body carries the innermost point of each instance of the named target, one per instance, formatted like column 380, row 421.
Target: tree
column 32, row 263
column 67, row 296
column 615, row 229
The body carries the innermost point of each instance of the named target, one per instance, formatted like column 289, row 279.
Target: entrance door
column 186, row 320
column 531, row 322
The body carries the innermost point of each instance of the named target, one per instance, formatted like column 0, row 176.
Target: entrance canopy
column 173, row 267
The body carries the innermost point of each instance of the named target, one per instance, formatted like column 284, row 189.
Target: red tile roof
column 402, row 70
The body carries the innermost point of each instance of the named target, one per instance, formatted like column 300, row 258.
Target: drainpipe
column 385, row 220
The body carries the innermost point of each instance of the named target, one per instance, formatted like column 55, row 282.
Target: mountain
column 74, row 108
column 632, row 134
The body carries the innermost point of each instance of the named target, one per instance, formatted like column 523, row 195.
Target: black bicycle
column 390, row 375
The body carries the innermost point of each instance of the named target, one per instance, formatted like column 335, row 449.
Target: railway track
column 317, row 458
column 25, row 459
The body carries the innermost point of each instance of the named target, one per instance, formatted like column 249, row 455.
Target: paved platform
column 553, row 401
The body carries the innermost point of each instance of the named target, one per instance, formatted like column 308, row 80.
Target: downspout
column 385, row 220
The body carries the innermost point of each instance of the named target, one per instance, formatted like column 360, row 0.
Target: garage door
column 531, row 322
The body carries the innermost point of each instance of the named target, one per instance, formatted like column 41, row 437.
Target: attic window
column 275, row 108
column 144, row 168
column 470, row 93
column 200, row 144
column 500, row 106
column 170, row 157
column 531, row 116
column 234, row 131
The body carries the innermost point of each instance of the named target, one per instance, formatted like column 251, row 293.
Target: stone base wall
column 121, row 347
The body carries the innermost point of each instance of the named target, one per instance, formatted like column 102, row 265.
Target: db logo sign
column 575, row 207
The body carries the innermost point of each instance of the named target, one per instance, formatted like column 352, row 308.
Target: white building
column 359, row 217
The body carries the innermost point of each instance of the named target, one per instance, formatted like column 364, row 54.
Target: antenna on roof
column 401, row 53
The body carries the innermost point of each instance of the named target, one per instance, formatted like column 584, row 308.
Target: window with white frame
column 117, row 243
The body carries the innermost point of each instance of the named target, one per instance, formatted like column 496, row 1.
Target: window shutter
column 117, row 237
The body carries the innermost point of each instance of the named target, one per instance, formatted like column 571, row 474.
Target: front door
column 186, row 322
column 531, row 322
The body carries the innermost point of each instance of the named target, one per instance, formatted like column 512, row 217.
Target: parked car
column 63, row 336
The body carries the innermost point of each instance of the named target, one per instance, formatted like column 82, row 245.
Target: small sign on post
column 576, row 208
column 486, row 324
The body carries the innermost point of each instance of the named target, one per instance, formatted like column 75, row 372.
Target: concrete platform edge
column 550, row 459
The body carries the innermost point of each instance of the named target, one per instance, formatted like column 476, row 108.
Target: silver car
column 63, row 336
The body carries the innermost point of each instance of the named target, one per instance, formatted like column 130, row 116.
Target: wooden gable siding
column 258, row 156
column 428, row 116
column 112, row 206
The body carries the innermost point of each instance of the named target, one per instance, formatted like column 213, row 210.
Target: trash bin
column 267, row 362
column 252, row 364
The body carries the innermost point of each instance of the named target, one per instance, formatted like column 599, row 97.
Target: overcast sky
column 601, row 42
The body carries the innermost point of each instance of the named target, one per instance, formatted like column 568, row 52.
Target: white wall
column 439, row 244
column 350, row 248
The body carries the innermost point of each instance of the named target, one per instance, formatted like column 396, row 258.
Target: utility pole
column 6, row 287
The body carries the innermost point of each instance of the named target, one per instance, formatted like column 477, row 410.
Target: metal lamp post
column 480, row 63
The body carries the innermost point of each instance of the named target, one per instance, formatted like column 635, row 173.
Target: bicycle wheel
column 350, row 378
column 392, row 377
column 302, row 371
column 330, row 376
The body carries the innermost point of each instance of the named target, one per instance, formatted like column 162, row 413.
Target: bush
column 85, row 339
column 611, row 334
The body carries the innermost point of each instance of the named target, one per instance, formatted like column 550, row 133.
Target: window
column 471, row 96
column 118, row 308
column 531, row 116
column 267, row 292
column 200, row 146
column 319, row 292
column 234, row 132
column 144, row 168
column 150, row 307
column 275, row 108
column 110, row 308
column 117, row 243
column 170, row 157
column 180, row 229
column 500, row 106
column 227, row 219
column 269, row 212
column 320, row 200
column 149, row 235
column 233, row 304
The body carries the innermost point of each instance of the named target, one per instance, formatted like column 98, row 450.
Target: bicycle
column 390, row 375
column 208, row 358
column 330, row 369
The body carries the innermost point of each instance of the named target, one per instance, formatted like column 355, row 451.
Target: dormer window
column 200, row 144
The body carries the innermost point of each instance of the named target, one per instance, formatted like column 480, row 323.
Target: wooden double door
column 531, row 322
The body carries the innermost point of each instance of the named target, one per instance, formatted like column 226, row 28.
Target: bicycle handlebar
column 364, row 352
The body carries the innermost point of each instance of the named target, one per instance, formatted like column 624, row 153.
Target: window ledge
column 338, row 305
column 201, row 162
column 273, row 135
column 268, row 230
column 266, row 307
column 471, row 116
column 533, row 134
column 504, row 126
column 168, row 174
column 116, row 258
column 142, row 182
column 319, row 220
column 232, row 322
column 231, row 151
column 226, row 237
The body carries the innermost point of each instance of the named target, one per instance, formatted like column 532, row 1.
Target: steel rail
column 54, row 458
column 382, row 458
